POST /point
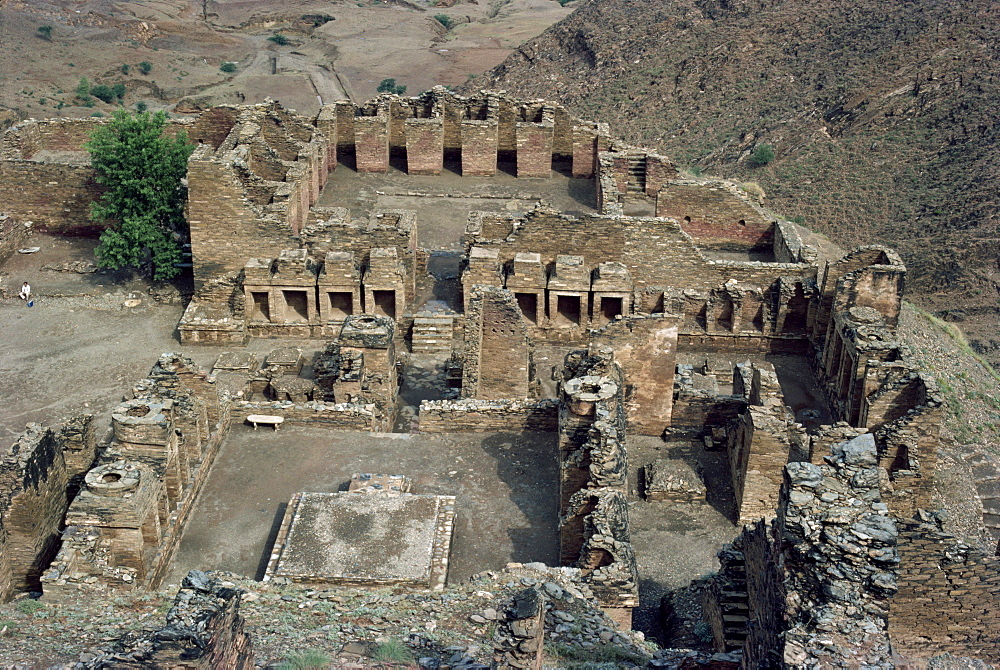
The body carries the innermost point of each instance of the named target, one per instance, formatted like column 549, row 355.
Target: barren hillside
column 883, row 117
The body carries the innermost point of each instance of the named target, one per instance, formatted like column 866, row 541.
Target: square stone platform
column 365, row 538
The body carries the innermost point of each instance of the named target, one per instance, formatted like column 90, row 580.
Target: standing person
column 25, row 293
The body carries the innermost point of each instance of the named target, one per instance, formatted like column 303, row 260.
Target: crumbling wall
column 204, row 630
column 758, row 446
column 33, row 500
column 716, row 214
column 13, row 235
column 497, row 357
column 473, row 415
column 819, row 582
column 948, row 598
column 593, row 468
column 124, row 526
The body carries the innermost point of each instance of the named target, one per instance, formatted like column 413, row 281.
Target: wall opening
column 296, row 305
column 568, row 310
column 341, row 304
column 385, row 303
column 261, row 310
column 610, row 308
column 528, row 302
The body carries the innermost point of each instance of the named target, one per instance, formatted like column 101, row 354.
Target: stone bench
column 266, row 420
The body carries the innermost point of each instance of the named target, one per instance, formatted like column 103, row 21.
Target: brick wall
column 371, row 143
column 711, row 212
column 226, row 228
column 646, row 349
column 346, row 416
column 13, row 235
column 424, row 146
column 497, row 350
column 534, row 149
column 55, row 196
column 479, row 148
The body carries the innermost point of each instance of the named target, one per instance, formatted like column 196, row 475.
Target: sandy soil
column 364, row 43
column 79, row 348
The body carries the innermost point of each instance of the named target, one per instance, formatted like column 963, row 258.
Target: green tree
column 762, row 155
column 390, row 86
column 228, row 67
column 126, row 68
column 118, row 90
column 279, row 39
column 83, row 89
column 145, row 67
column 45, row 32
column 141, row 170
column 102, row 92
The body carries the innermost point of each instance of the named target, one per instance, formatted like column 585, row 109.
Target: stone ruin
column 669, row 301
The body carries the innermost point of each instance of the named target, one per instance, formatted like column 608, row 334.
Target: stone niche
column 369, row 537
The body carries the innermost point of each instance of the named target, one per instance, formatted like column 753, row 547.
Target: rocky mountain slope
column 882, row 117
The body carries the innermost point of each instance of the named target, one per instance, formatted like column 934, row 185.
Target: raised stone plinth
column 364, row 539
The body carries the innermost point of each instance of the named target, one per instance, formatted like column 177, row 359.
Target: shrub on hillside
column 762, row 155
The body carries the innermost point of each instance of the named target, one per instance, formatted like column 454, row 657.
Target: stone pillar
column 424, row 146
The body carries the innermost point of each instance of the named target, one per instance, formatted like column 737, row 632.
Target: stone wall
column 818, row 583
column 203, row 631
column 497, row 356
column 442, row 416
column 13, row 235
column 33, row 500
column 55, row 196
column 716, row 214
column 346, row 416
column 948, row 598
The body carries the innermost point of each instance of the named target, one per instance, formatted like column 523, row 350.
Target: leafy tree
column 762, row 155
column 142, row 169
column 145, row 67
column 228, row 67
column 126, row 68
column 45, row 32
column 278, row 39
column 141, row 106
column 390, row 86
column 83, row 89
column 118, row 90
column 102, row 92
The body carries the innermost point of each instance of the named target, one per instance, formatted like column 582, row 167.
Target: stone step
column 432, row 333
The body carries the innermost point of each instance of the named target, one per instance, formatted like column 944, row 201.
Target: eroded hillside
column 882, row 117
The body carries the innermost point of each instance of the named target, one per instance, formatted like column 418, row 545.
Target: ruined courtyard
column 585, row 357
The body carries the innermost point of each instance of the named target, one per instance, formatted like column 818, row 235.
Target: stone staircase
column 433, row 329
column 636, row 174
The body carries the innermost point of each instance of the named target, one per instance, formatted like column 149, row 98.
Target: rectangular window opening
column 610, row 308
column 568, row 310
column 385, row 303
column 296, row 305
column 261, row 308
column 528, row 302
column 341, row 304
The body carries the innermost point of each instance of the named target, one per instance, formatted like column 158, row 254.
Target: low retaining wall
column 350, row 416
column 484, row 416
